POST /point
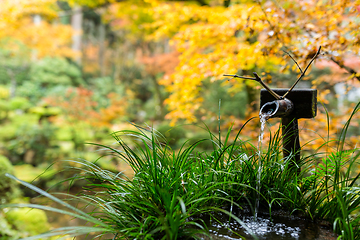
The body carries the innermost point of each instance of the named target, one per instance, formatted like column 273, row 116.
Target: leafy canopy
column 213, row 39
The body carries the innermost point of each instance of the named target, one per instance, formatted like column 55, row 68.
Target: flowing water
column 264, row 116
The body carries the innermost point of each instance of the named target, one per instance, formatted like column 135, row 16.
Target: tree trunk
column 13, row 84
column 252, row 97
column 76, row 23
column 34, row 52
column 161, row 113
column 102, row 33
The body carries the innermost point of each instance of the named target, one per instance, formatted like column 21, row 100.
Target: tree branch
column 258, row 79
column 348, row 69
column 227, row 3
column 303, row 73
column 202, row 2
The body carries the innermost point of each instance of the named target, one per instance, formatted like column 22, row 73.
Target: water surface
column 280, row 228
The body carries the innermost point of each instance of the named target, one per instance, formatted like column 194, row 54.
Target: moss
column 6, row 232
column 27, row 220
column 8, row 187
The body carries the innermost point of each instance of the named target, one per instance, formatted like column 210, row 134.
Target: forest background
column 72, row 72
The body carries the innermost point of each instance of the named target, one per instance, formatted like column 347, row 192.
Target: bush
column 19, row 103
column 171, row 134
column 32, row 143
column 205, row 138
column 232, row 103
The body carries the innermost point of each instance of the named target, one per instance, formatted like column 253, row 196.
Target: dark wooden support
column 304, row 101
column 291, row 141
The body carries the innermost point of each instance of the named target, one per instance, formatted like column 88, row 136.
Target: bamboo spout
column 277, row 108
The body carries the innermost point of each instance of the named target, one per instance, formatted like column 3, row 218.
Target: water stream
column 264, row 116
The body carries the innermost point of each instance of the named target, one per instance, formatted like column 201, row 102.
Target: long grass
column 173, row 193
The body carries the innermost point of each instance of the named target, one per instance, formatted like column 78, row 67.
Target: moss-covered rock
column 8, row 187
column 28, row 172
column 6, row 231
column 28, row 221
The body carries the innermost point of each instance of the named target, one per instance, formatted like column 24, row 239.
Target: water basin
column 280, row 228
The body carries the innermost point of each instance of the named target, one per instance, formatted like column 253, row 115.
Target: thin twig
column 258, row 79
column 348, row 69
column 302, row 74
column 237, row 76
column 301, row 71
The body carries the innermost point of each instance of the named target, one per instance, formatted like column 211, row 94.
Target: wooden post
column 291, row 141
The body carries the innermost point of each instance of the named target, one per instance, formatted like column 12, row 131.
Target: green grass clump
column 169, row 190
column 167, row 196
column 173, row 194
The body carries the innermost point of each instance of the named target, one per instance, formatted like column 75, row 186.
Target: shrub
column 205, row 141
column 19, row 103
column 172, row 134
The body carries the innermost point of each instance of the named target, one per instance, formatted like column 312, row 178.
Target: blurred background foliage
column 73, row 72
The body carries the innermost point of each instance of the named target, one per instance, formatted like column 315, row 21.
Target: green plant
column 47, row 77
column 55, row 71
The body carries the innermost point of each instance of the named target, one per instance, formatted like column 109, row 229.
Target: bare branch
column 258, row 79
column 301, row 71
column 302, row 74
column 348, row 69
column 237, row 76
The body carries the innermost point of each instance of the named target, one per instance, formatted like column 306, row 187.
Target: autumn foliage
column 17, row 24
column 185, row 45
column 255, row 36
column 78, row 105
